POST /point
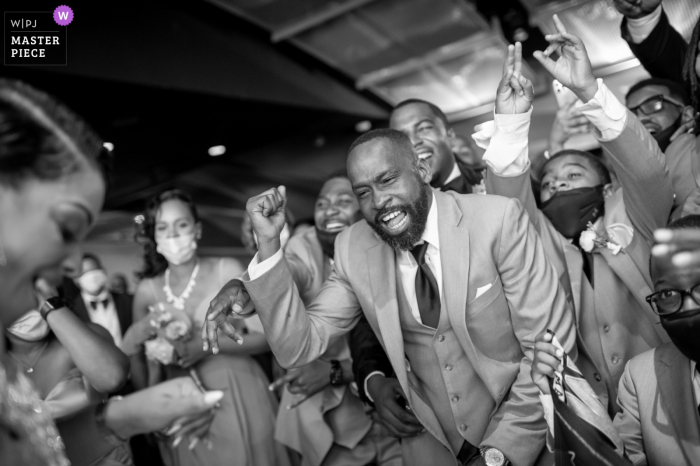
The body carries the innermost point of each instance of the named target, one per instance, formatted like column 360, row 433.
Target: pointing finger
column 558, row 24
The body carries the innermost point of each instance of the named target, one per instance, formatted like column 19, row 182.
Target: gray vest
column 447, row 379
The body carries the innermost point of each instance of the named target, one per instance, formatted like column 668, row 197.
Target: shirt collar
column 430, row 234
column 454, row 174
column 104, row 296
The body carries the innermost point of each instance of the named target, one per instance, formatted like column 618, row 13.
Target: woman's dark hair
column 689, row 74
column 155, row 263
column 41, row 138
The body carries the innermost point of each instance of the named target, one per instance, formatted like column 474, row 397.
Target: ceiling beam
column 333, row 11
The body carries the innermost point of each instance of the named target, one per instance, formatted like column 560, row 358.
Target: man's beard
column 416, row 211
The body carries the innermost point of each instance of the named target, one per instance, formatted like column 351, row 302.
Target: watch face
column 494, row 457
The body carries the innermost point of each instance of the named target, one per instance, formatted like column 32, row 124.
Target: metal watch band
column 336, row 373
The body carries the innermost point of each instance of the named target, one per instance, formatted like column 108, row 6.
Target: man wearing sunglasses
column 659, row 391
column 662, row 107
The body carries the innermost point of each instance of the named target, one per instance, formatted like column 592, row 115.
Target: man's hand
column 568, row 121
column 266, row 213
column 515, row 91
column 636, row 8
column 305, row 381
column 189, row 352
column 573, row 68
column 136, row 336
column 399, row 421
column 232, row 299
column 547, row 360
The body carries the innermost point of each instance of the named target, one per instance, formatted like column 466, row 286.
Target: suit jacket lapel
column 454, row 257
column 676, row 388
column 574, row 263
column 80, row 309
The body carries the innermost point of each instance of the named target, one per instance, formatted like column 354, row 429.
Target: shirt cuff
column 367, row 379
column 548, row 407
column 605, row 112
column 640, row 28
column 257, row 269
column 506, row 142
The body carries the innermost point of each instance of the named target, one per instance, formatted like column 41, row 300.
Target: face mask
column 93, row 282
column 30, row 327
column 179, row 249
column 570, row 211
column 284, row 237
column 684, row 328
column 663, row 138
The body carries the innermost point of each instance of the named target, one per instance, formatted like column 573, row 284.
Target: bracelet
column 101, row 423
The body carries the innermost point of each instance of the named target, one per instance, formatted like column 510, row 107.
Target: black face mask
column 684, row 330
column 570, row 211
column 327, row 241
column 663, row 138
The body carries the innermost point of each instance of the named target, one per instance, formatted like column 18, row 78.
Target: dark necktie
column 588, row 266
column 104, row 302
column 427, row 291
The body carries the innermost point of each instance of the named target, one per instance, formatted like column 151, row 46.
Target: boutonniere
column 589, row 239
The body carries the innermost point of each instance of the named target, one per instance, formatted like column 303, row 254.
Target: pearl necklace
column 179, row 301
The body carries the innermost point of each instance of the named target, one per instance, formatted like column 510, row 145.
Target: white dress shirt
column 106, row 316
column 454, row 174
column 406, row 266
column 640, row 28
column 696, row 381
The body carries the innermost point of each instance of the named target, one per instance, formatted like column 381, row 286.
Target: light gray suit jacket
column 659, row 422
column 483, row 240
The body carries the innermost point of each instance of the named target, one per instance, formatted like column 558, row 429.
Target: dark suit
column 123, row 303
column 367, row 353
column 662, row 53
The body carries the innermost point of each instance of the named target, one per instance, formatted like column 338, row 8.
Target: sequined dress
column 28, row 435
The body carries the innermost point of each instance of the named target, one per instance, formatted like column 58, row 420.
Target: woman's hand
column 547, row 360
column 305, row 381
column 189, row 352
column 160, row 406
column 136, row 336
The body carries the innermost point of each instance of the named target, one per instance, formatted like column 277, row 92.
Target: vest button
column 597, row 377
column 606, row 328
column 615, row 359
column 441, row 338
column 448, row 368
column 462, row 427
column 455, row 399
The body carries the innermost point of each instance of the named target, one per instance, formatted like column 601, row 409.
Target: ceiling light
column 109, row 146
column 139, row 219
column 363, row 126
column 215, row 151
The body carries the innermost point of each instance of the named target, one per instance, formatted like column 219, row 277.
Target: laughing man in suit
column 459, row 328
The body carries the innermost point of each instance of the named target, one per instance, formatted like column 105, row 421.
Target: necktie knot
column 419, row 251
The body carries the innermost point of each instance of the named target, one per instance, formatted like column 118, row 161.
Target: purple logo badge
column 63, row 15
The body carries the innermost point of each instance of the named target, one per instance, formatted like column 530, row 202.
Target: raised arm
column 635, row 156
column 537, row 303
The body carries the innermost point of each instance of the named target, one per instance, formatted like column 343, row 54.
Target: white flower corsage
column 589, row 239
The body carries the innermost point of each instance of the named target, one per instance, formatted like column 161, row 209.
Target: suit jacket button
column 597, row 377
column 615, row 359
column 462, row 427
column 455, row 398
column 441, row 338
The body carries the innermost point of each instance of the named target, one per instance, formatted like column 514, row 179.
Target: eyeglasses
column 667, row 302
column 653, row 105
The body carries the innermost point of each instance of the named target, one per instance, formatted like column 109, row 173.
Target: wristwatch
column 336, row 373
column 494, row 457
column 52, row 304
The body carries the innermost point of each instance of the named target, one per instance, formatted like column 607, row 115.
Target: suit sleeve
column 299, row 335
column 641, row 168
column 662, row 53
column 536, row 303
column 367, row 356
column 627, row 422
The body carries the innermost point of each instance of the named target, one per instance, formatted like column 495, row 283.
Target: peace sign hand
column 515, row 91
column 573, row 68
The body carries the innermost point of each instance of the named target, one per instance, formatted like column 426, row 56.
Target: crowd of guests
column 419, row 319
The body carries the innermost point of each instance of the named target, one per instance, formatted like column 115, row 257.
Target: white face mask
column 30, row 327
column 284, row 236
column 93, row 282
column 179, row 249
